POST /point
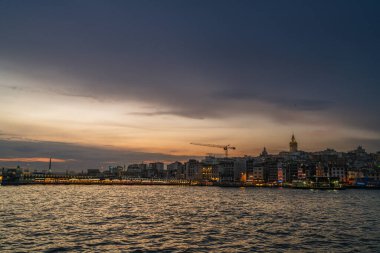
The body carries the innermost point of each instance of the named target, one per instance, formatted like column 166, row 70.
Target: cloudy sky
column 140, row 80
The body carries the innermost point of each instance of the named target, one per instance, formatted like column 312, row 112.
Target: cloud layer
column 171, row 67
column 66, row 156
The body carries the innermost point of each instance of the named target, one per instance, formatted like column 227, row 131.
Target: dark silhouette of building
column 293, row 145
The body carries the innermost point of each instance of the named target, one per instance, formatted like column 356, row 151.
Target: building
column 264, row 153
column 290, row 171
column 240, row 168
column 255, row 170
column 271, row 172
column 94, row 172
column 176, row 170
column 293, row 145
column 338, row 172
column 116, row 171
column 193, row 169
column 155, row 170
column 319, row 170
column 353, row 175
column 227, row 170
column 210, row 172
column 136, row 170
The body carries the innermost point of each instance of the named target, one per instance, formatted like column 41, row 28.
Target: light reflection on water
column 170, row 218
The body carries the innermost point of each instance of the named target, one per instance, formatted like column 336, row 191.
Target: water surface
column 193, row 219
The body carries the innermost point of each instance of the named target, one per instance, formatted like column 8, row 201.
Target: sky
column 141, row 80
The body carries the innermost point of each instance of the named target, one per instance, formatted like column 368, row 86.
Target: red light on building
column 280, row 175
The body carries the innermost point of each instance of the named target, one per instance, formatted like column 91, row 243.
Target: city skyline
column 76, row 158
column 189, row 126
column 144, row 79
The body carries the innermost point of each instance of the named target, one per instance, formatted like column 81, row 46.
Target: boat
column 318, row 183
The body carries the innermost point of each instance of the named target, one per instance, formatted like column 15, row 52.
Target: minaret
column 293, row 145
column 49, row 166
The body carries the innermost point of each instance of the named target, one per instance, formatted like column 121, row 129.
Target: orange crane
column 224, row 147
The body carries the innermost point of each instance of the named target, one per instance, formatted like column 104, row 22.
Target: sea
column 97, row 218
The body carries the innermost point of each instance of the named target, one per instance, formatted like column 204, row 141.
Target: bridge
column 15, row 178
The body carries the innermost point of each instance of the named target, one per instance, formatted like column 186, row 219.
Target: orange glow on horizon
column 32, row 159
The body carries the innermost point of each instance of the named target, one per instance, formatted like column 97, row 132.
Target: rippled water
column 192, row 219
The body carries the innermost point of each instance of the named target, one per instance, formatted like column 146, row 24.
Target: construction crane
column 224, row 147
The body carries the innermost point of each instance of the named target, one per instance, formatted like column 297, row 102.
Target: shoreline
column 176, row 183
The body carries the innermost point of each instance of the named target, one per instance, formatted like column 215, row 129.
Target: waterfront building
column 255, row 170
column 240, row 168
column 155, row 170
column 115, row 171
column 372, row 174
column 258, row 174
column 193, row 169
column 176, row 170
column 338, row 172
column 352, row 175
column 210, row 172
column 226, row 168
column 271, row 170
column 290, row 170
column 280, row 173
column 301, row 173
column 249, row 170
column 93, row 172
column 364, row 177
column 309, row 168
column 319, row 170
column 135, row 170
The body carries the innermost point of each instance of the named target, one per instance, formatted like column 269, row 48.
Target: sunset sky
column 146, row 78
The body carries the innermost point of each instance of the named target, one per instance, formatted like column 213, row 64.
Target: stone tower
column 264, row 152
column 293, row 145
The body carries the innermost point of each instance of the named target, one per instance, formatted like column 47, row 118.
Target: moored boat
column 318, row 183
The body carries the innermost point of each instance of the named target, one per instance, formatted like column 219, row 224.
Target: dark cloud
column 236, row 94
column 186, row 114
column 304, row 104
column 290, row 103
column 204, row 59
column 77, row 157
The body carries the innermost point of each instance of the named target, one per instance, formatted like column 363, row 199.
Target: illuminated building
column 301, row 173
column 280, row 175
column 240, row 168
column 206, row 172
column 338, row 172
column 255, row 172
column 320, row 171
